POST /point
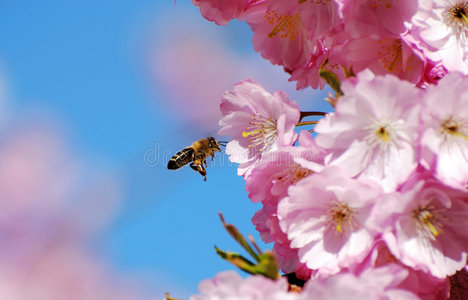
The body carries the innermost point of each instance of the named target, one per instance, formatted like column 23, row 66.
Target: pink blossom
column 277, row 170
column 424, row 226
column 426, row 286
column 375, row 19
column 326, row 216
column 287, row 258
column 385, row 54
column 317, row 16
column 441, row 28
column 373, row 133
column 373, row 284
column 433, row 73
column 280, row 37
column 229, row 285
column 267, row 224
column 308, row 75
column 258, row 121
column 420, row 283
column 445, row 130
column 269, row 182
column 221, row 11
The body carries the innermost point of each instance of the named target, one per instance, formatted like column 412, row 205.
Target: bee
column 196, row 155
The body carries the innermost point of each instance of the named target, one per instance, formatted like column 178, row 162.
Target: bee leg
column 199, row 168
column 202, row 171
column 195, row 166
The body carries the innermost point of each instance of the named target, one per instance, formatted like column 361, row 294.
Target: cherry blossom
column 374, row 19
column 326, row 216
column 221, row 11
column 423, row 226
column 373, row 284
column 373, row 133
column 230, row 285
column 281, row 37
column 441, row 26
column 258, row 121
column 445, row 130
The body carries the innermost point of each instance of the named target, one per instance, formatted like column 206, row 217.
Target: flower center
column 428, row 222
column 261, row 132
column 390, row 54
column 382, row 3
column 456, row 17
column 284, row 26
column 453, row 127
column 381, row 134
column 459, row 12
column 341, row 218
column 293, row 174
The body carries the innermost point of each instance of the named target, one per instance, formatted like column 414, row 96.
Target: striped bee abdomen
column 181, row 158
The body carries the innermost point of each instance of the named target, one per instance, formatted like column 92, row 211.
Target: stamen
column 293, row 174
column 453, row 127
column 383, row 134
column 382, row 3
column 390, row 54
column 341, row 218
column 459, row 12
column 253, row 132
column 428, row 221
column 285, row 26
column 456, row 18
column 261, row 132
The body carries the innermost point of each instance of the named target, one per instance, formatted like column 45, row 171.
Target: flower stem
column 306, row 123
column 312, row 113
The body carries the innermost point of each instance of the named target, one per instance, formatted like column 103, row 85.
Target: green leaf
column 266, row 265
column 332, row 80
column 239, row 238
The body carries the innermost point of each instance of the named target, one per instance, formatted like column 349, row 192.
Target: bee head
column 213, row 143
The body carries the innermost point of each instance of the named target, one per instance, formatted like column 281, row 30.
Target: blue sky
column 86, row 64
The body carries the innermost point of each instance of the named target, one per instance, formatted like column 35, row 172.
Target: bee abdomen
column 181, row 158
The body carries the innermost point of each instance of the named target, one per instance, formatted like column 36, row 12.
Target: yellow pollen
column 383, row 134
column 261, row 132
column 302, row 173
column 285, row 26
column 429, row 221
column 341, row 216
column 459, row 12
column 338, row 225
column 426, row 217
column 465, row 18
column 253, row 132
column 390, row 54
column 432, row 228
column 453, row 128
column 378, row 3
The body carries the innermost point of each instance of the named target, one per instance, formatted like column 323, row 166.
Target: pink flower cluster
column 374, row 203
column 383, row 182
column 387, row 282
column 415, row 40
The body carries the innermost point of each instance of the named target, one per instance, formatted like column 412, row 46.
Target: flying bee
column 196, row 155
